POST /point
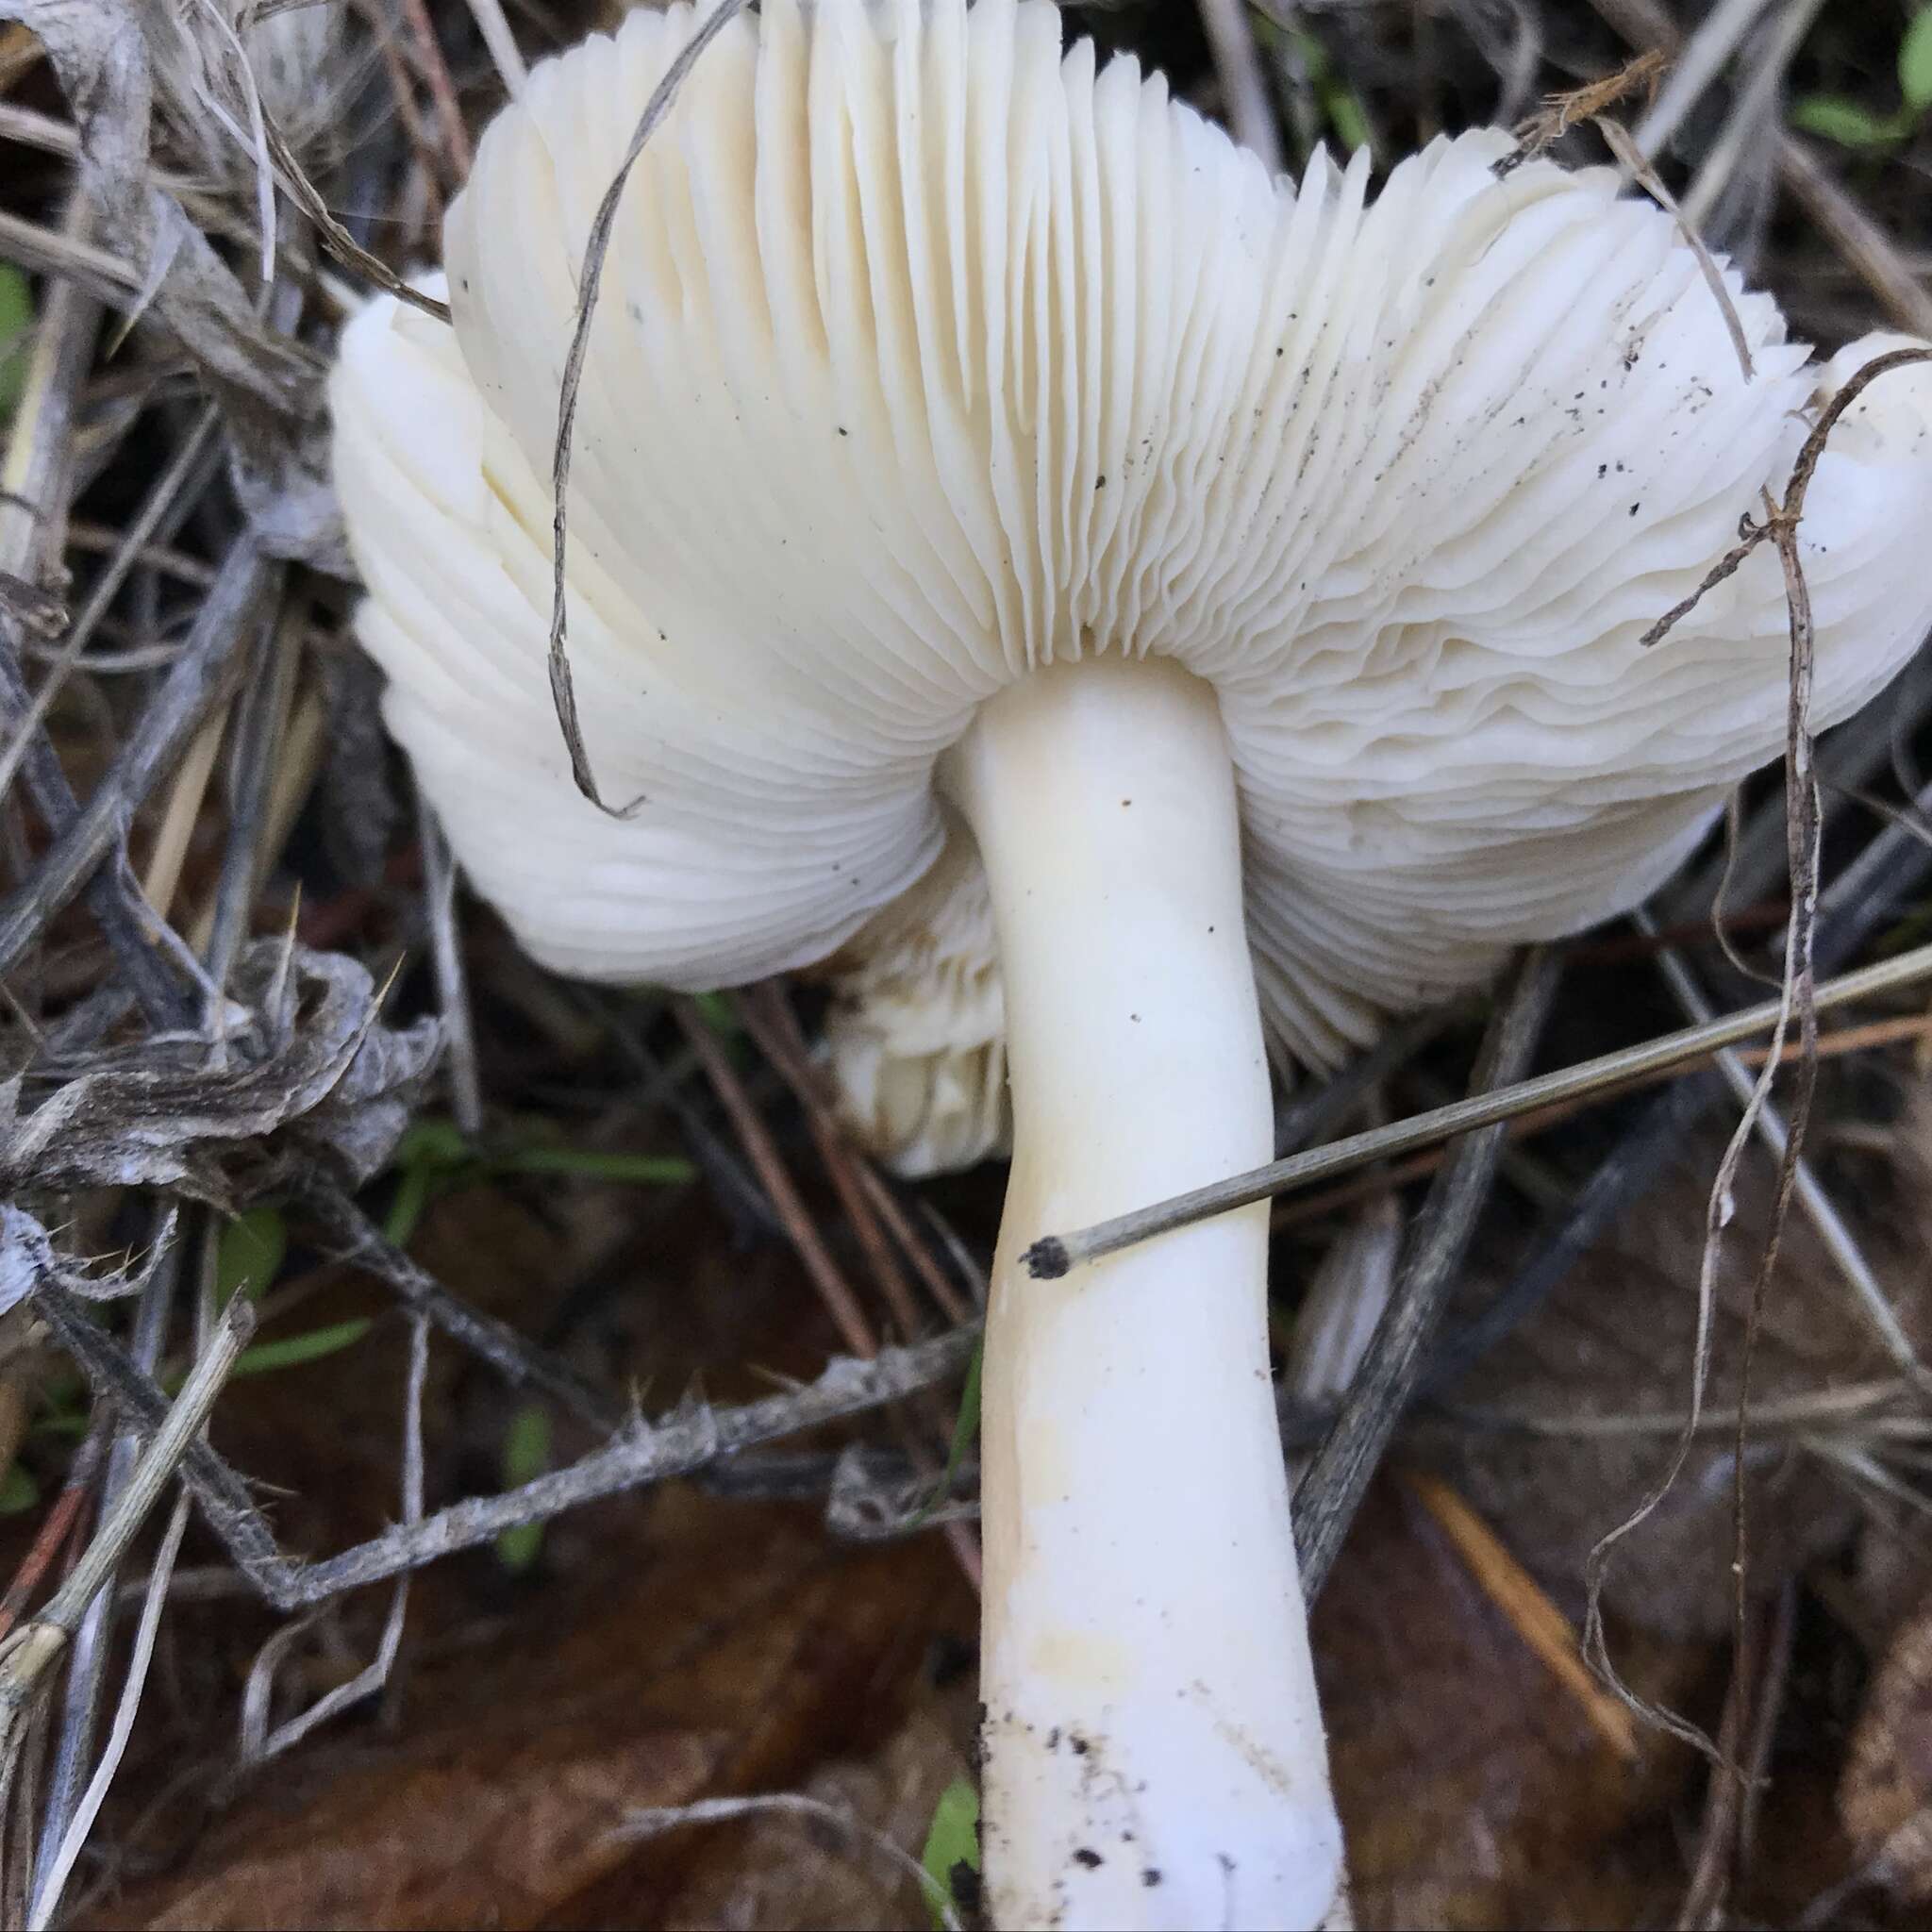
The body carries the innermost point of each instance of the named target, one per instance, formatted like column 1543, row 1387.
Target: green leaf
column 1915, row 63
column 953, row 1842
column 965, row 1431
column 649, row 1170
column 1833, row 118
column 428, row 1156
column 249, row 1254
column 19, row 1493
column 721, row 1016
column 1348, row 118
column 16, row 336
column 525, row 1456
column 433, row 1143
column 293, row 1350
column 406, row 1209
column 68, row 1424
column 1314, row 56
column 433, row 1156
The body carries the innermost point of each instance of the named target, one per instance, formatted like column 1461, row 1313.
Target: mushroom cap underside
column 928, row 355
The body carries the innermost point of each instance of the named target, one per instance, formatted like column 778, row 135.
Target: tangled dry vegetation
column 363, row 1289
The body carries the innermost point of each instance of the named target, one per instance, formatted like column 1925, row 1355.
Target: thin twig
column 158, row 501
column 1245, row 99
column 837, row 1294
column 191, row 689
column 644, row 1453
column 1546, row 1631
column 952, row 1303
column 520, row 1364
column 451, row 983
column 1859, row 902
column 562, row 691
column 1633, row 157
column 37, row 482
column 649, row 1823
column 768, row 1016
column 1052, row 1255
column 1782, row 519
column 1799, row 996
column 118, row 1380
column 1698, row 64
column 1840, row 1243
column 259, row 1743
column 1337, row 1475
column 504, row 52
column 834, row 1288
column 1385, row 1181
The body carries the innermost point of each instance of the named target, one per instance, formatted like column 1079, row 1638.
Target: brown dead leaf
column 1885, row 1796
column 1473, row 1789
column 738, row 1655
column 1617, row 1340
column 786, row 1871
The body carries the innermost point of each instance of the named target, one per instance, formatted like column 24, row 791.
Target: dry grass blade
column 1698, row 62
column 1858, row 240
column 50, row 1891
column 1561, row 112
column 1054, row 1254
column 817, row 1811
column 36, row 483
column 842, row 1301
column 1628, row 151
column 1810, row 1193
column 1249, row 113
column 94, row 271
column 247, row 583
column 336, row 237
column 1799, row 996
column 562, row 692
column 168, row 485
column 1541, row 1624
column 29, row 1654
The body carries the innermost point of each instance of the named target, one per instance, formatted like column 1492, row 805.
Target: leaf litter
column 703, row 1642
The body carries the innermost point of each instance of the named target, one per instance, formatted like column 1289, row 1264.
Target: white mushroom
column 916, row 1037
column 1260, row 574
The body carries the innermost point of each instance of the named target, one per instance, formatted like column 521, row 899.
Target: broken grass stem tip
column 1054, row 1256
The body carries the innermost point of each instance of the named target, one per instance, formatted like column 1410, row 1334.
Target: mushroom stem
column 1153, row 1749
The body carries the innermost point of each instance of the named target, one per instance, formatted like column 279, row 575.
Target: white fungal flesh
column 926, row 357
column 916, row 1035
column 936, row 374
column 1152, row 1744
